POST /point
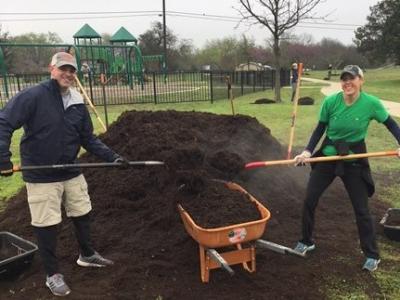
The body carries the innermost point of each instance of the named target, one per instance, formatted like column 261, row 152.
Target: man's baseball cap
column 63, row 58
column 353, row 70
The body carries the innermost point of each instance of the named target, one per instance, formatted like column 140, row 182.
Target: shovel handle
column 259, row 164
column 87, row 165
column 85, row 95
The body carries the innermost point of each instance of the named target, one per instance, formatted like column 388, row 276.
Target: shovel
column 259, row 164
column 88, row 165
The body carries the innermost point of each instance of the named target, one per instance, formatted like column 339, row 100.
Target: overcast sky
column 345, row 16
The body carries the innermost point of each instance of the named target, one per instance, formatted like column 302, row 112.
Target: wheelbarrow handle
column 87, row 165
column 259, row 164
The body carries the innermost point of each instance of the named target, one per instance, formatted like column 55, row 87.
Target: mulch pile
column 136, row 222
column 264, row 101
column 306, row 101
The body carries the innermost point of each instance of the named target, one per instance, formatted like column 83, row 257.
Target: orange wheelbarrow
column 233, row 235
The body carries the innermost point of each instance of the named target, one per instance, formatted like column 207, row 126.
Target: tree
column 105, row 38
column 379, row 39
column 185, row 52
column 151, row 43
column 229, row 52
column 4, row 38
column 220, row 54
column 4, row 35
column 31, row 59
column 320, row 55
column 278, row 16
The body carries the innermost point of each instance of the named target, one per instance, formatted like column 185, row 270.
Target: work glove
column 6, row 168
column 123, row 161
column 299, row 160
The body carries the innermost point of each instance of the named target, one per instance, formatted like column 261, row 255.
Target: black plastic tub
column 16, row 255
column 390, row 228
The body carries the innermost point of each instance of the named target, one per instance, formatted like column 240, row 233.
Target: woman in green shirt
column 344, row 118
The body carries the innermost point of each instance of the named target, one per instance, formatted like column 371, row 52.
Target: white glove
column 300, row 159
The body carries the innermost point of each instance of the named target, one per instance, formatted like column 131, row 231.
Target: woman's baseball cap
column 353, row 70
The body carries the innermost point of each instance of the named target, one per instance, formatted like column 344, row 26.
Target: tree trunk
column 277, row 56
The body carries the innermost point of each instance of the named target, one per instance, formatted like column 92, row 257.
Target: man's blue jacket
column 52, row 135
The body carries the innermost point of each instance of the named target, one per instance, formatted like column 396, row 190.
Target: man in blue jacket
column 56, row 124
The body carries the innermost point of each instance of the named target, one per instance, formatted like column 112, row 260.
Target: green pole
column 129, row 67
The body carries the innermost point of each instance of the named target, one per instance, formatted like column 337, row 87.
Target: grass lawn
column 382, row 83
column 277, row 117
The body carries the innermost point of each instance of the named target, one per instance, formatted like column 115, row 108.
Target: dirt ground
column 136, row 221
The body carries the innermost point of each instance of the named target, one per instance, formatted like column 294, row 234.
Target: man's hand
column 6, row 168
column 398, row 152
column 300, row 159
column 123, row 161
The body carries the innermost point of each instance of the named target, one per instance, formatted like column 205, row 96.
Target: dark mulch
column 217, row 206
column 393, row 218
column 264, row 101
column 306, row 101
column 136, row 222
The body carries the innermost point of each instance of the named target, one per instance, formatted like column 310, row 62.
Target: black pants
column 321, row 177
column 47, row 242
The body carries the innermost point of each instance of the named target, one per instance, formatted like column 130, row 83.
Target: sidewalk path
column 392, row 107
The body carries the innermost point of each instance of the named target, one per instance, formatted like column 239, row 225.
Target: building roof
column 122, row 36
column 86, row 32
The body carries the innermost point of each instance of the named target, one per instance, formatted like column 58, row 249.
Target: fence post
column 241, row 82
column 263, row 75
column 90, row 85
column 18, row 83
column 154, row 88
column 273, row 77
column 103, row 85
column 211, row 88
column 254, row 81
column 6, row 85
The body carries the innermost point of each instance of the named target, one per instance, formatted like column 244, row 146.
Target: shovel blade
column 278, row 248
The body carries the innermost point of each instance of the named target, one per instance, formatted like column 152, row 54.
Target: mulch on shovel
column 136, row 222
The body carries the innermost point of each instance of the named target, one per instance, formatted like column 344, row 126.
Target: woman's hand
column 300, row 160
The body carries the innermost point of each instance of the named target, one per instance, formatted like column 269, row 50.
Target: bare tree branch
column 278, row 16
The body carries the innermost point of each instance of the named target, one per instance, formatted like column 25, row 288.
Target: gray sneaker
column 57, row 285
column 371, row 264
column 96, row 260
column 303, row 248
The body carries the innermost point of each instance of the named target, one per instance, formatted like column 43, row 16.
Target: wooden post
column 295, row 104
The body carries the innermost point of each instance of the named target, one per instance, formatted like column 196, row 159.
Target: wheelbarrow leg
column 210, row 259
column 204, row 264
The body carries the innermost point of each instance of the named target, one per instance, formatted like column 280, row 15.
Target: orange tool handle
column 259, row 164
column 294, row 114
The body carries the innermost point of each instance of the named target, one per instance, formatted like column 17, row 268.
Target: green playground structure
column 121, row 61
column 123, row 58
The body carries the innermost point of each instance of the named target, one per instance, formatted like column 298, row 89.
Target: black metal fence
column 157, row 87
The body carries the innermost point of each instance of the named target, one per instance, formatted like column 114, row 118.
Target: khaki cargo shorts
column 45, row 200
